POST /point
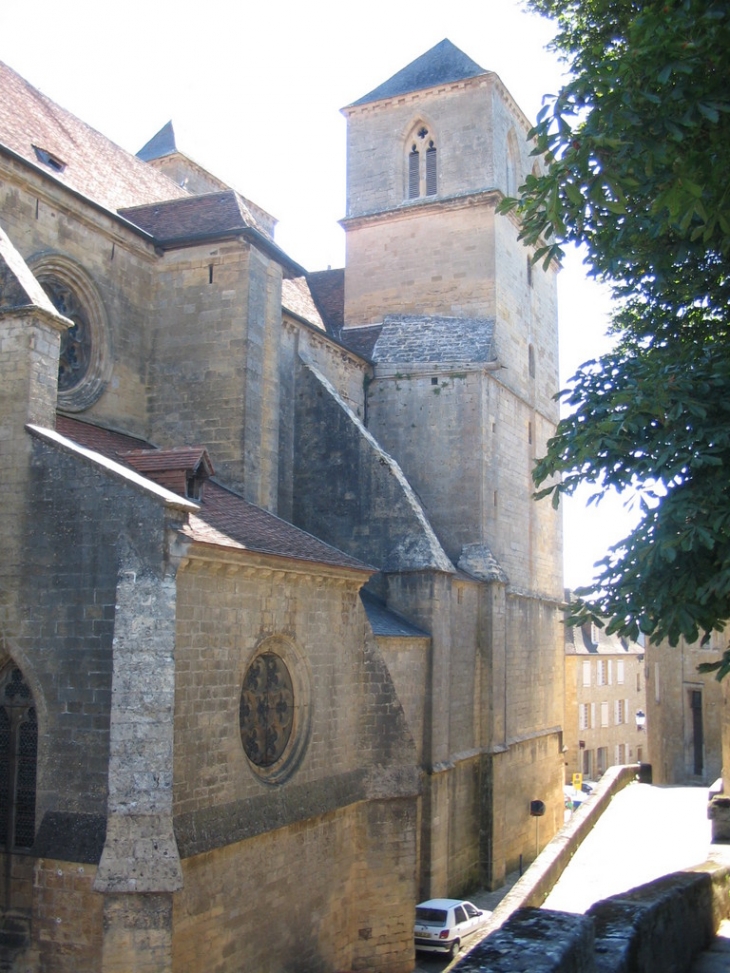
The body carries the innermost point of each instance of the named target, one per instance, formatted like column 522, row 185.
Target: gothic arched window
column 18, row 757
column 421, row 163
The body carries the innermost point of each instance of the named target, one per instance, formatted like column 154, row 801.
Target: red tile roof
column 194, row 216
column 328, row 291
column 225, row 519
column 296, row 297
column 36, row 128
column 178, row 458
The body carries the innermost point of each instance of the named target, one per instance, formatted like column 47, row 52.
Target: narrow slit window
column 431, row 170
column 414, row 174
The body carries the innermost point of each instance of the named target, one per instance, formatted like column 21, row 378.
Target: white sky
column 254, row 92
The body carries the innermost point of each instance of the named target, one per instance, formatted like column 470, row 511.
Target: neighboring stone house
column 684, row 712
column 280, row 635
column 605, row 702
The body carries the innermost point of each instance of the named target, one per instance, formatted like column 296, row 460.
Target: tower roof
column 443, row 64
column 161, row 144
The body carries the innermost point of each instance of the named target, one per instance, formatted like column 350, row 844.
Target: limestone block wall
column 346, row 372
column 353, row 870
column 672, row 682
column 428, row 260
column 214, row 371
column 609, row 712
column 467, row 444
column 469, row 122
column 341, row 826
column 408, row 661
column 78, row 527
column 118, row 264
column 349, row 491
column 67, row 918
column 534, row 668
column 527, row 322
column 530, row 770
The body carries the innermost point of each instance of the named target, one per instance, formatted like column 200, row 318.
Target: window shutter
column 610, row 674
column 593, row 714
column 414, row 176
column 431, row 171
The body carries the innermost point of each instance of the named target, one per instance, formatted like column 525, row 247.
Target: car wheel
column 454, row 951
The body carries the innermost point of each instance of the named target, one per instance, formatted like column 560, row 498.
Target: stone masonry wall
column 671, row 679
column 348, row 490
column 347, row 373
column 215, row 368
column 42, row 221
column 469, row 122
column 467, row 445
column 340, row 826
column 417, row 262
column 354, row 871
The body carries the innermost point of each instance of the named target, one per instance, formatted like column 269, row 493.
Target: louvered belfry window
column 18, row 761
column 414, row 174
column 431, row 170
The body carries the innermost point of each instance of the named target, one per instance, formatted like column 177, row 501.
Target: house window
column 602, row 673
column 586, row 672
column 588, row 764
column 601, row 760
column 604, row 714
column 620, row 753
column 584, row 714
column 620, row 672
column 18, row 760
column 421, row 163
column 620, row 710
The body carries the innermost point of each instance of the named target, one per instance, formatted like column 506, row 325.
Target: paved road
column 645, row 833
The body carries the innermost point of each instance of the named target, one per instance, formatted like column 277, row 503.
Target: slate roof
column 361, row 340
column 385, row 622
column 73, row 153
column 578, row 642
column 212, row 214
column 224, row 519
column 443, row 64
column 423, row 338
column 178, row 458
column 160, row 145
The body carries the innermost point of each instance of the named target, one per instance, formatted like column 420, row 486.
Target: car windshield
column 435, row 917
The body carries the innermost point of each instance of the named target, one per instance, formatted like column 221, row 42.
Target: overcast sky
column 254, row 91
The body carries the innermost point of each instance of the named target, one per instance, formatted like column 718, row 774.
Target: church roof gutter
column 189, row 240
column 87, row 200
column 255, row 236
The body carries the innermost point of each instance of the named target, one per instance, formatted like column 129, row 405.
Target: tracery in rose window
column 266, row 713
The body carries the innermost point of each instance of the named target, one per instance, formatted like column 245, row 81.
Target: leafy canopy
column 637, row 146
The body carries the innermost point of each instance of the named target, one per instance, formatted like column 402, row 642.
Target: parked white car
column 442, row 925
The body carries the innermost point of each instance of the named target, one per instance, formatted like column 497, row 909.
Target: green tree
column 637, row 152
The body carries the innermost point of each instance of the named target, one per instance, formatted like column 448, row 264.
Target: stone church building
column 280, row 643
